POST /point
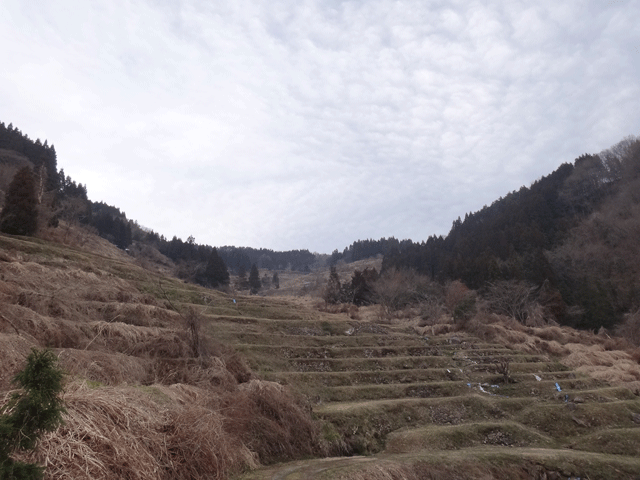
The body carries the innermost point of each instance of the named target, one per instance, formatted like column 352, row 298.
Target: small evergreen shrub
column 35, row 409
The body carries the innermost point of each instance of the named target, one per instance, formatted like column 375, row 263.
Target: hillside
column 171, row 380
column 572, row 231
column 444, row 359
column 575, row 229
column 146, row 379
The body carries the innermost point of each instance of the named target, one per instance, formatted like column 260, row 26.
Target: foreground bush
column 36, row 409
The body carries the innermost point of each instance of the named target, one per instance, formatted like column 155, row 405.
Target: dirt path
column 565, row 463
column 311, row 469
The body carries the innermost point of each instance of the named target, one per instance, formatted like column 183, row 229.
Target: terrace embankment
column 404, row 405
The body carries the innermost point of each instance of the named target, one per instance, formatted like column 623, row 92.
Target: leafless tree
column 512, row 298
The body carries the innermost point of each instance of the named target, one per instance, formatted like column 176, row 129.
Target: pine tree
column 331, row 293
column 254, row 279
column 35, row 409
column 20, row 213
column 243, row 283
column 216, row 273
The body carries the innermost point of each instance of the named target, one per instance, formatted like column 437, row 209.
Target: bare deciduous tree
column 512, row 298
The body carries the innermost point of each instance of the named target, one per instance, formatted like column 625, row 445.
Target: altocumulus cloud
column 313, row 124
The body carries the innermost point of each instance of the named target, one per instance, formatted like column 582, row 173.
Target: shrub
column 512, row 298
column 398, row 289
column 36, row 409
column 629, row 328
column 460, row 301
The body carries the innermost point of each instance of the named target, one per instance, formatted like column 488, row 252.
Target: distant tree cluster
column 111, row 224
column 363, row 249
column 358, row 291
column 517, row 237
column 69, row 188
column 244, row 257
column 38, row 153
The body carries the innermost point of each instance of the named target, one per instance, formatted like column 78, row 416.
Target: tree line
column 521, row 237
column 39, row 195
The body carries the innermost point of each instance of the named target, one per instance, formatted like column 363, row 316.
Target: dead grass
column 209, row 373
column 14, row 350
column 352, row 311
column 616, row 367
column 176, row 431
column 438, row 470
column 116, row 432
column 77, row 236
column 104, row 368
column 271, row 422
column 142, row 403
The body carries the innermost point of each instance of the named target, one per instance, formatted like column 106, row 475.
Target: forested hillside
column 571, row 234
column 574, row 230
column 60, row 198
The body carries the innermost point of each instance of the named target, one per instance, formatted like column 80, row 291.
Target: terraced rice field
column 390, row 399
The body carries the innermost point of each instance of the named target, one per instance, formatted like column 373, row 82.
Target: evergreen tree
column 20, row 213
column 36, row 409
column 242, row 272
column 216, row 273
column 275, row 280
column 243, row 283
column 331, row 293
column 254, row 279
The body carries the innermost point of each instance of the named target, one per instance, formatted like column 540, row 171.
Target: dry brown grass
column 271, row 422
column 461, row 470
column 209, row 373
column 105, row 368
column 616, row 367
column 352, row 311
column 611, row 359
column 142, row 403
column 162, row 433
column 14, row 350
column 205, row 428
column 77, row 236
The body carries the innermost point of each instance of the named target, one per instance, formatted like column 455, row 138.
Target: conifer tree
column 254, row 279
column 331, row 293
column 216, row 273
column 20, row 213
column 35, row 409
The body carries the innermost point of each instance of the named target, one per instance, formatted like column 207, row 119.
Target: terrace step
column 280, row 340
column 367, row 364
column 337, row 379
column 472, row 434
column 525, row 364
column 546, row 388
column 367, row 352
column 394, row 391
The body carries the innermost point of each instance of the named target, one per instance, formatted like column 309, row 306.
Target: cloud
column 314, row 124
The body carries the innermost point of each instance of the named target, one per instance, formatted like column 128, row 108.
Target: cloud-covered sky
column 315, row 123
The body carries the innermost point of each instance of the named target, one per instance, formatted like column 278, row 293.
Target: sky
column 312, row 124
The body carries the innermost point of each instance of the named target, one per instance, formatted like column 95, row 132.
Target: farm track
column 402, row 399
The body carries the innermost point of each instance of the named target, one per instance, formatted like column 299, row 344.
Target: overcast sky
column 312, row 124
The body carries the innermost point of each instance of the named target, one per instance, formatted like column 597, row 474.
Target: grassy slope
column 135, row 387
column 413, row 401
